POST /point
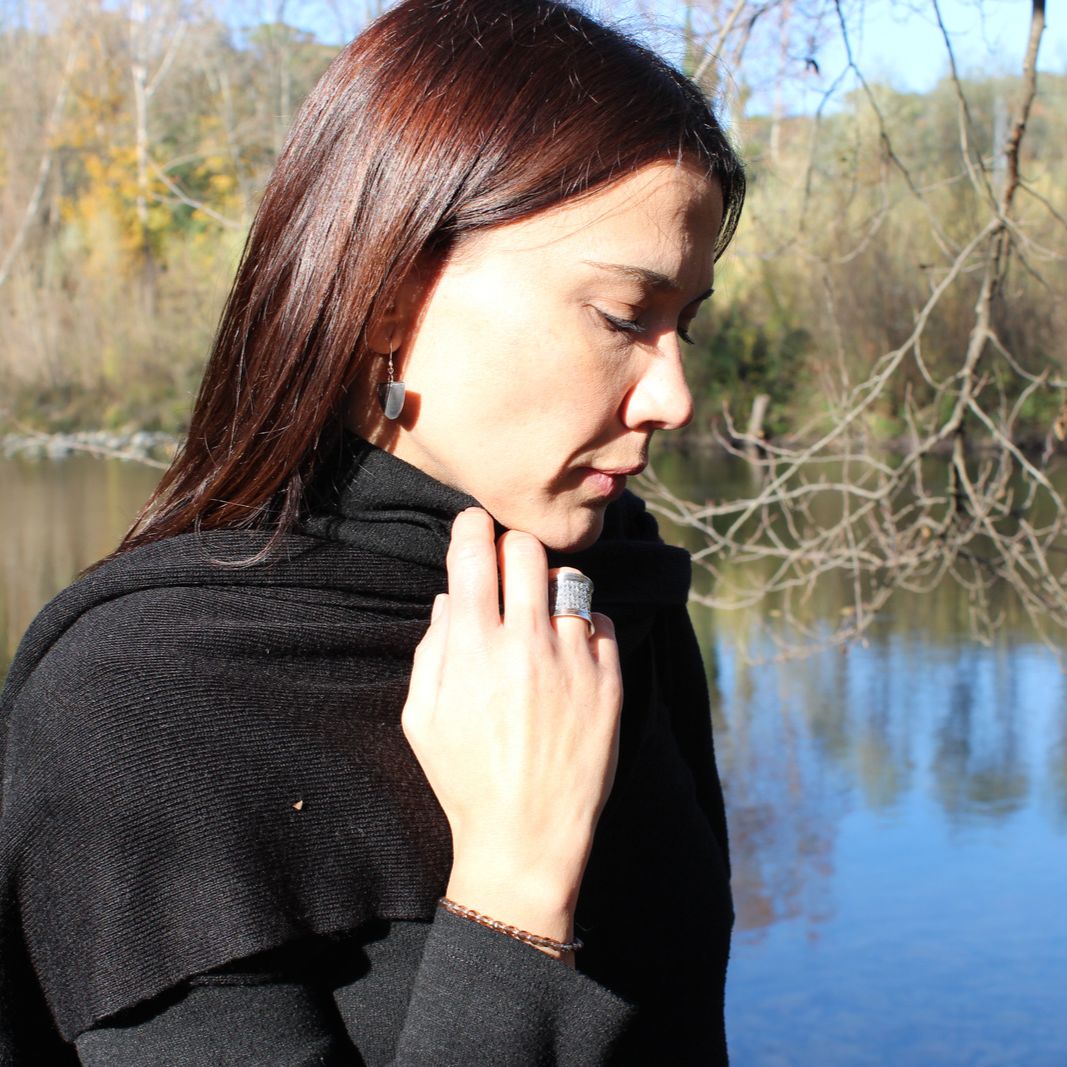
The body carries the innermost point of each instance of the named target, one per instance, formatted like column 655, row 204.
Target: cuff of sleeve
column 481, row 997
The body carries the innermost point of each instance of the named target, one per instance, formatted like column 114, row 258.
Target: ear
column 391, row 329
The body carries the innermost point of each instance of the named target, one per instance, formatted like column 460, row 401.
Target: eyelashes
column 622, row 325
column 633, row 326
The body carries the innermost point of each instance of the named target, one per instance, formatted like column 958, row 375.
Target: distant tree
column 922, row 255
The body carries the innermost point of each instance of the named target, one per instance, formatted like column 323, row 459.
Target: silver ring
column 571, row 593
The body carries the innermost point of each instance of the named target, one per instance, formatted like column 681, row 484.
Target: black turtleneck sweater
column 216, row 846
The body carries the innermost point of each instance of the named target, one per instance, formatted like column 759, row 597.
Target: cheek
column 526, row 380
column 514, row 378
column 534, row 393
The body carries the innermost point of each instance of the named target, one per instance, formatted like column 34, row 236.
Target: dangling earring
column 391, row 393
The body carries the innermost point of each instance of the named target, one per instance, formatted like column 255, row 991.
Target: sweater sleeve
column 481, row 997
column 476, row 997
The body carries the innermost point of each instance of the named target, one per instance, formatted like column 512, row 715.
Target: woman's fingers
column 571, row 630
column 430, row 653
column 426, row 669
column 473, row 564
column 472, row 574
column 525, row 579
column 524, row 576
column 603, row 645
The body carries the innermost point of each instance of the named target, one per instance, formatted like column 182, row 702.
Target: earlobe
column 386, row 335
column 392, row 329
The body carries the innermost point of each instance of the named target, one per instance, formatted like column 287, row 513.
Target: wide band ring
column 571, row 593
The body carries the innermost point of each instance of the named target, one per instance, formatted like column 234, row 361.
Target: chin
column 576, row 535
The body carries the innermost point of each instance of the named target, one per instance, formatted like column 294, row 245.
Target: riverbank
column 136, row 446
column 157, row 448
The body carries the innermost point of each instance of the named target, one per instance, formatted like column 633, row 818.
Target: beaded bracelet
column 537, row 940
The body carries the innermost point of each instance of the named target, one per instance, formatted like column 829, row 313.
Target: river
column 898, row 809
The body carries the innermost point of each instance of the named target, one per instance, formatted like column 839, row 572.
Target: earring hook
column 391, row 392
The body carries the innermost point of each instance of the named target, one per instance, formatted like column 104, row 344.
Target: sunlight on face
column 546, row 352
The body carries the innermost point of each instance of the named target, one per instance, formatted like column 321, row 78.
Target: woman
column 240, row 825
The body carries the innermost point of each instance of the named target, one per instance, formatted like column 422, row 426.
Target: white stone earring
column 391, row 393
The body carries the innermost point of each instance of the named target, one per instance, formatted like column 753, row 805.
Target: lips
column 607, row 484
column 620, row 472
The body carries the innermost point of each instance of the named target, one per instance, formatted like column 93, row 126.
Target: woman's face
column 546, row 352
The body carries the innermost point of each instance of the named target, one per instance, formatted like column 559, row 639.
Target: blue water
column 899, row 819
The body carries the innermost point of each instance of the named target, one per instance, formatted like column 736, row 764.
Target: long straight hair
column 443, row 118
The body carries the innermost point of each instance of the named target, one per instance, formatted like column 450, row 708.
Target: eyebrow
column 651, row 278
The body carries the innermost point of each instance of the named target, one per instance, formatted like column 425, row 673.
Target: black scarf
column 203, row 760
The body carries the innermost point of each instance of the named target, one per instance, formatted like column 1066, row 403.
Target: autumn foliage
column 138, row 136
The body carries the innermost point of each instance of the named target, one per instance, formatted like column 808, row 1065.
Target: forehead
column 660, row 216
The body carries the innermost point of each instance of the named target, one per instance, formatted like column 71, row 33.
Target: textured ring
column 571, row 593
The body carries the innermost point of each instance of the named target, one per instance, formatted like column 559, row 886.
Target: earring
column 391, row 393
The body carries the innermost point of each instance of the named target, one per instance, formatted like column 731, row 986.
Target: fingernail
column 438, row 606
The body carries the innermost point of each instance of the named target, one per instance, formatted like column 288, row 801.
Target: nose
column 660, row 398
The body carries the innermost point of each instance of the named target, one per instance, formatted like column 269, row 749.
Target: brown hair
column 444, row 117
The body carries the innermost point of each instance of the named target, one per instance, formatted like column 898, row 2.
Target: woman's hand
column 515, row 722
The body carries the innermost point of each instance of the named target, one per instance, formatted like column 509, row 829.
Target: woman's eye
column 622, row 325
column 635, row 326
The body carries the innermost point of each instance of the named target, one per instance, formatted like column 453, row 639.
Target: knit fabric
column 203, row 761
column 409, row 994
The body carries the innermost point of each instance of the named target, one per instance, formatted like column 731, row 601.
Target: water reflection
column 900, row 721
column 898, row 815
column 979, row 766
column 1057, row 773
column 58, row 518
